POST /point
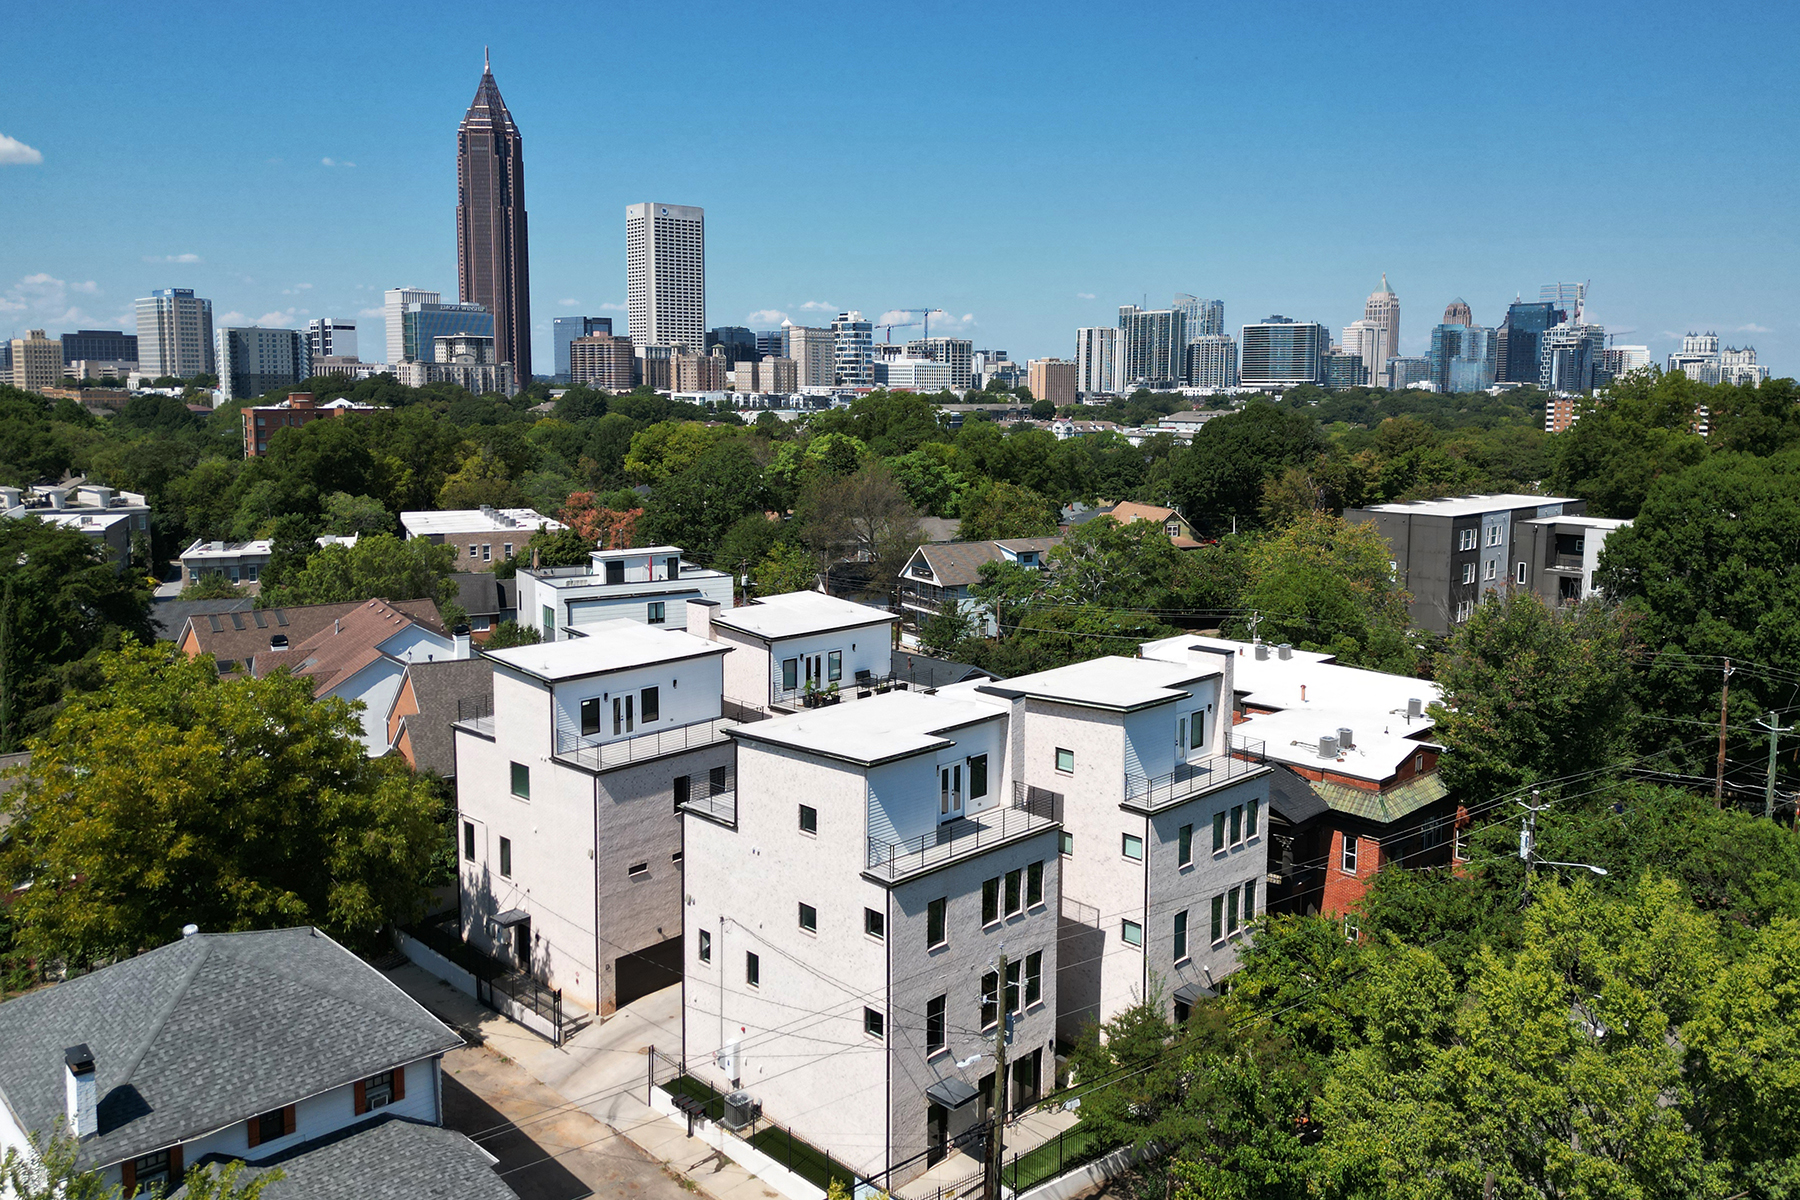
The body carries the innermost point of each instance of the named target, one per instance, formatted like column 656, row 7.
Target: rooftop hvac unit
column 741, row 1111
column 1285, row 650
column 1415, row 708
column 1262, row 651
column 1345, row 739
column 1328, row 746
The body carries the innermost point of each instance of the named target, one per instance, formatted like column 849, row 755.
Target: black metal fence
column 529, row 993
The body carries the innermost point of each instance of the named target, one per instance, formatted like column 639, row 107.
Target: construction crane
column 889, row 328
column 923, row 313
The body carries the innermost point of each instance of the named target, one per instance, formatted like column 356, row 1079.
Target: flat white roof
column 1313, row 696
column 204, row 549
column 1469, row 506
column 1607, row 523
column 1112, row 682
column 651, row 551
column 92, row 518
column 793, row 614
column 880, row 728
column 475, row 520
column 609, row 646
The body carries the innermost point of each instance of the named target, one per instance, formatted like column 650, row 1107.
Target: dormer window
column 922, row 569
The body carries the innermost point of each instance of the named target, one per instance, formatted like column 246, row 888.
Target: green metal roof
column 1382, row 807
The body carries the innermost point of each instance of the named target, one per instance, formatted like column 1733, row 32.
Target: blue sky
column 1026, row 168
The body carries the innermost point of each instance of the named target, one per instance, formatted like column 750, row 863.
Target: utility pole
column 1719, row 780
column 990, row 1189
column 1775, row 731
column 1528, row 841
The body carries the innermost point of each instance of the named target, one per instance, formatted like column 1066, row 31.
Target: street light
column 1583, row 866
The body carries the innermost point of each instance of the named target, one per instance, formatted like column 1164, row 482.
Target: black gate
column 641, row 972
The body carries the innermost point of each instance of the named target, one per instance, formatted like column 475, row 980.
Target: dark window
column 672, row 564
column 752, row 969
column 1034, row 977
column 1066, row 844
column 936, row 928
column 506, row 858
column 1250, row 902
column 1218, row 832
column 1014, row 882
column 152, row 1169
column 1034, row 884
column 590, row 717
column 1181, row 935
column 1015, row 970
column 271, row 1125
column 1184, row 845
column 706, row 945
column 650, row 704
column 834, row 666
column 469, row 840
column 1251, row 811
column 935, row 1023
column 874, row 1024
column 636, row 870
column 615, row 570
column 809, row 819
column 683, row 789
column 990, row 999
column 809, row 918
column 521, row 781
column 1237, row 823
column 790, row 674
column 978, row 777
column 990, row 901
column 655, row 616
column 1218, row 918
column 378, row 1091
column 874, row 923
column 718, row 780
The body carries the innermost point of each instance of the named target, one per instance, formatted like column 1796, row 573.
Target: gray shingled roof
column 1293, row 797
column 439, row 687
column 479, row 593
column 210, row 1030
column 387, row 1159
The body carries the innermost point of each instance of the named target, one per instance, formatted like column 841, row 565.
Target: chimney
column 82, row 1089
column 278, row 641
column 1345, row 739
column 460, row 635
column 700, row 618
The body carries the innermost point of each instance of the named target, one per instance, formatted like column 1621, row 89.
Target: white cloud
column 951, row 323
column 371, row 312
column 44, row 299
column 568, row 303
column 174, row 258
column 336, row 162
column 819, row 306
column 610, row 307
column 284, row 316
column 1753, row 327
column 234, row 317
column 296, row 289
column 14, row 153
column 1084, row 295
column 770, row 317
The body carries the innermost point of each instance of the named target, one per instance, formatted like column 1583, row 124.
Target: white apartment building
column 924, row 375
column 1213, row 361
column 845, row 923
column 1096, row 360
column 665, row 275
column 958, row 352
column 175, row 334
column 331, row 337
column 814, row 352
column 853, row 349
column 798, row 650
column 568, row 798
column 106, row 515
column 650, row 584
column 1163, row 823
column 394, row 305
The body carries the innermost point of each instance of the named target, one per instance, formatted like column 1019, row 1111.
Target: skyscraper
column 1281, row 352
column 37, row 362
column 738, row 343
column 564, row 330
column 1383, row 308
column 1152, row 347
column 331, row 337
column 253, row 361
column 1463, row 354
column 1520, row 339
column 665, row 275
column 1212, row 361
column 1363, row 339
column 853, row 350
column 1572, row 358
column 958, row 352
column 1096, row 360
column 814, row 352
column 175, row 334
column 422, row 324
column 394, row 305
column 1205, row 318
column 492, row 249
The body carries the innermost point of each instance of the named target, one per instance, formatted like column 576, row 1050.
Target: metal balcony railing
column 596, row 755
column 1030, row 811
column 1247, row 757
column 712, row 795
column 846, row 688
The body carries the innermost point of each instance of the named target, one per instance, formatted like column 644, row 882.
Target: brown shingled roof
column 341, row 649
column 237, row 637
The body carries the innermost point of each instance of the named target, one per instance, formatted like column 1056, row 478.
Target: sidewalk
column 603, row 1070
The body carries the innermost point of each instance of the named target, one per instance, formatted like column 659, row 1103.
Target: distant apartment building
column 482, row 536
column 100, row 345
column 698, row 373
column 395, row 302
column 1203, row 318
column 648, row 584
column 254, row 361
column 1408, row 372
column 175, row 334
column 774, row 374
column 814, row 352
column 300, row 408
column 1152, row 347
column 1363, row 338
column 1344, row 370
column 107, row 516
column 1096, row 360
column 923, row 375
column 464, row 359
column 853, row 350
column 602, row 360
column 1212, row 362
column 1572, row 358
column 1702, row 360
column 1449, row 553
column 1052, row 379
column 959, row 353
column 37, row 362
column 665, row 274
column 1556, row 556
column 1281, row 352
column 331, row 337
column 563, row 333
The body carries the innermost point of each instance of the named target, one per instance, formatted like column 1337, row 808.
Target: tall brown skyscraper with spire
column 492, row 255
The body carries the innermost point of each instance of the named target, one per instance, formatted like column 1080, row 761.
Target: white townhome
column 846, row 921
column 1163, row 846
column 798, row 649
column 648, row 584
column 568, row 798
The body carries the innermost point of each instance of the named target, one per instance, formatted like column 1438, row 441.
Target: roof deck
column 1031, row 811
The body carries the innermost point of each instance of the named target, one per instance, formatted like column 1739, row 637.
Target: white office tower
column 1096, row 360
column 175, row 334
column 331, row 337
column 854, row 349
column 1364, row 339
column 1383, row 309
column 665, row 275
column 393, row 308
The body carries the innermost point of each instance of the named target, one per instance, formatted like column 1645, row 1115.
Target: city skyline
column 361, row 201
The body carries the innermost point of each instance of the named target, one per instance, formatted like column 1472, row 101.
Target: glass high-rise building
column 100, row 345
column 1522, row 335
column 1212, row 361
column 1281, row 352
column 253, row 361
column 422, row 324
column 738, row 343
column 853, row 349
column 1152, row 347
column 492, row 249
column 1464, row 355
column 564, row 330
column 1205, row 318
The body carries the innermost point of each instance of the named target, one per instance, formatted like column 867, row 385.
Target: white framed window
column 1493, row 569
column 1464, row 610
column 487, row 552
column 1348, row 859
column 1468, row 572
column 1521, row 574
column 1466, row 539
column 1495, row 535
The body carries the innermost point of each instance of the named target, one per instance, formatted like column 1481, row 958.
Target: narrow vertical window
column 936, row 927
column 1181, row 935
column 1184, row 846
column 752, row 969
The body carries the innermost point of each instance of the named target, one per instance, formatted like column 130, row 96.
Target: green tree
column 346, row 515
column 1007, row 590
column 947, row 629
column 1324, row 584
column 565, row 547
column 211, row 586
column 170, row 795
column 1132, row 566
column 49, row 1169
column 1638, row 430
column 483, row 478
column 669, row 448
column 1220, row 476
column 865, row 517
column 380, row 566
column 508, row 634
column 785, row 568
column 696, row 507
column 1532, row 692
column 994, row 510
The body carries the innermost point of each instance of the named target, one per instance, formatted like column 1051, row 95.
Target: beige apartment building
column 1051, row 379
column 813, row 352
column 769, row 375
column 37, row 362
column 698, row 372
column 602, row 360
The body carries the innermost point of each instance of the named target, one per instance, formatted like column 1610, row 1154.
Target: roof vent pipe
column 1328, row 746
column 188, row 931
